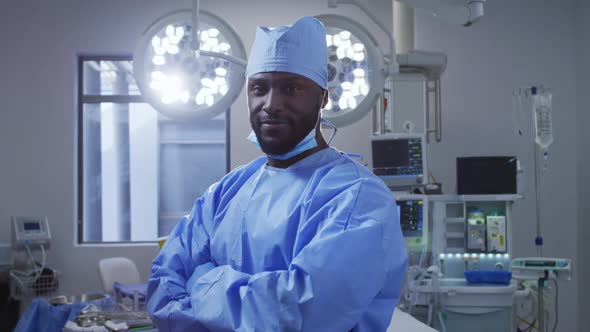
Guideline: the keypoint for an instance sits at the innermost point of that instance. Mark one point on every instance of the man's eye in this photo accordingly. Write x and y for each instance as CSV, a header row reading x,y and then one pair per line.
x,y
293,89
257,89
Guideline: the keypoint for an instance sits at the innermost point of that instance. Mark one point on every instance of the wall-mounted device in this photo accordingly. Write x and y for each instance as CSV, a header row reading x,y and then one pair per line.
x,y
29,231
400,159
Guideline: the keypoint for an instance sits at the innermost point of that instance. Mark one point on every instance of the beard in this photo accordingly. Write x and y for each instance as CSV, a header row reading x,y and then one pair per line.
x,y
282,141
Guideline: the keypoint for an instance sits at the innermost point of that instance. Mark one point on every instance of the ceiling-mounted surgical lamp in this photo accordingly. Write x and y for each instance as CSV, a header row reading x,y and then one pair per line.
x,y
186,73
356,70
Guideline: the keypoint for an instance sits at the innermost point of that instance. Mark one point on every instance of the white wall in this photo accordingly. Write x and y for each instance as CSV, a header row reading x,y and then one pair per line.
x,y
583,137
516,44
40,41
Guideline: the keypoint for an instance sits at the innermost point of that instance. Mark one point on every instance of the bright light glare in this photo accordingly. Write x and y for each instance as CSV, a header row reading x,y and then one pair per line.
x,y
213,33
341,52
349,52
184,96
342,103
344,35
358,47
364,90
219,81
204,36
174,34
328,40
171,85
223,90
156,42
200,99
220,71
359,56
207,82
224,47
337,40
170,31
159,60
165,42
172,49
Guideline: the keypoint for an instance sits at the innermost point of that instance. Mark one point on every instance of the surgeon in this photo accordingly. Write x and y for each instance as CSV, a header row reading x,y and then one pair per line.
x,y
303,239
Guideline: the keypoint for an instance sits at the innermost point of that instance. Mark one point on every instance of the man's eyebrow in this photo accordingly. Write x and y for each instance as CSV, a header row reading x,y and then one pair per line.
x,y
256,80
295,79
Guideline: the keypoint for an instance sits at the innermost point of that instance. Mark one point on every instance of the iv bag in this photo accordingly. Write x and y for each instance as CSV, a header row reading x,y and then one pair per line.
x,y
543,122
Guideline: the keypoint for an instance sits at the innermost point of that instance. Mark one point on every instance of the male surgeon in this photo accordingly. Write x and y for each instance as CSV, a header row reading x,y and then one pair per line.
x,y
303,239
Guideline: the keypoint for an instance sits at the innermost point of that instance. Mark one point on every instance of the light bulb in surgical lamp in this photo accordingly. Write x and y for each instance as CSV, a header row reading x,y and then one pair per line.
x,y
185,83
356,73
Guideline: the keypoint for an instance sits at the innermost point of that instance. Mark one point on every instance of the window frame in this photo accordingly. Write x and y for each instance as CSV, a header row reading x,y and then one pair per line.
x,y
83,99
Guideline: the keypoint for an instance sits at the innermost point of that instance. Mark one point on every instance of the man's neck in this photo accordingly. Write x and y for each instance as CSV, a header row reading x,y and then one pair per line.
x,y
288,162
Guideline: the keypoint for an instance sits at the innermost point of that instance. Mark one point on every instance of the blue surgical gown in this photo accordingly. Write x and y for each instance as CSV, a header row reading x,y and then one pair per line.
x,y
314,247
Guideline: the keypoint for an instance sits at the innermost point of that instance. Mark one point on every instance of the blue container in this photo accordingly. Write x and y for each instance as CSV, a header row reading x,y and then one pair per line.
x,y
488,277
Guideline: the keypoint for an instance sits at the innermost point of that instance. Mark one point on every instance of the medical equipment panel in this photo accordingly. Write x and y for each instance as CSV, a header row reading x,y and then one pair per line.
x,y
399,159
413,217
27,231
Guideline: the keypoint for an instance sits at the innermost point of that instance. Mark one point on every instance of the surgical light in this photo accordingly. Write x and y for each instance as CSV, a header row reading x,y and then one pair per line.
x,y
182,81
356,70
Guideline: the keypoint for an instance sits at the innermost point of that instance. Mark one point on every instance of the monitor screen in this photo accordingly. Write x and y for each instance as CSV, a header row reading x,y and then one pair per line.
x,y
411,217
398,159
31,226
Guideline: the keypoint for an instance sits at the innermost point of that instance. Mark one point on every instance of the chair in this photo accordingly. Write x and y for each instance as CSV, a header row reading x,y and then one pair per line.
x,y
117,269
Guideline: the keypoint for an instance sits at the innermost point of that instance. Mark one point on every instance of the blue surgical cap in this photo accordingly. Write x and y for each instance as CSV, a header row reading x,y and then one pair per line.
x,y
299,49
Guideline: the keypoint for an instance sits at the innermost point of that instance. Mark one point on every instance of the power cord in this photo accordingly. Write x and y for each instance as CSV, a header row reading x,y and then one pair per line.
x,y
556,305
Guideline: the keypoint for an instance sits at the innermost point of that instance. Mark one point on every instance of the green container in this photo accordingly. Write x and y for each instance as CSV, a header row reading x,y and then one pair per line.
x,y
476,231
496,232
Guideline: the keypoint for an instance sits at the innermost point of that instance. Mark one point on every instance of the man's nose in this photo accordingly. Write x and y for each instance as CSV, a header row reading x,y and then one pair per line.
x,y
273,102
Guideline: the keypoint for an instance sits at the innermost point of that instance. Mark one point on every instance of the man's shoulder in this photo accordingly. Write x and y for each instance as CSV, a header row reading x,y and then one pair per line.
x,y
238,175
346,173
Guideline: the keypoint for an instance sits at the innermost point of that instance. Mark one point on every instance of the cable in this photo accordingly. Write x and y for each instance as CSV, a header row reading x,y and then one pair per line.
x,y
432,176
556,307
531,325
44,259
33,262
443,326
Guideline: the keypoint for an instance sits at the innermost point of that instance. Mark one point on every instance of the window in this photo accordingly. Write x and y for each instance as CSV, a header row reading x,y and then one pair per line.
x,y
139,172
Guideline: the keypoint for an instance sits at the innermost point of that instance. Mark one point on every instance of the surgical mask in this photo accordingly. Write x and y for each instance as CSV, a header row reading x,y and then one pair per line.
x,y
308,142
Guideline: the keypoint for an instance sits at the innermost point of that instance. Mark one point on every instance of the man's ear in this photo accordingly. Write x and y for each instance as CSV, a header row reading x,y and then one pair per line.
x,y
325,97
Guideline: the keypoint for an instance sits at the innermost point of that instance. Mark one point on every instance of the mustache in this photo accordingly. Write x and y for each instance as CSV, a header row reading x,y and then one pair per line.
x,y
271,120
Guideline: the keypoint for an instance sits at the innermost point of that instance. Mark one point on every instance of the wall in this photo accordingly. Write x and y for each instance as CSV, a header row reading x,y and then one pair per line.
x,y
583,137
38,110
516,44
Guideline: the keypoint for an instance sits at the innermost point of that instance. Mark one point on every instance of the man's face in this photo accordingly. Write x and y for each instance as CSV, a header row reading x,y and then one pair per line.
x,y
284,108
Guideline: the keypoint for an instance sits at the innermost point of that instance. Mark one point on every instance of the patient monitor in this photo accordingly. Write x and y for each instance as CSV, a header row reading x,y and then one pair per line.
x,y
400,159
